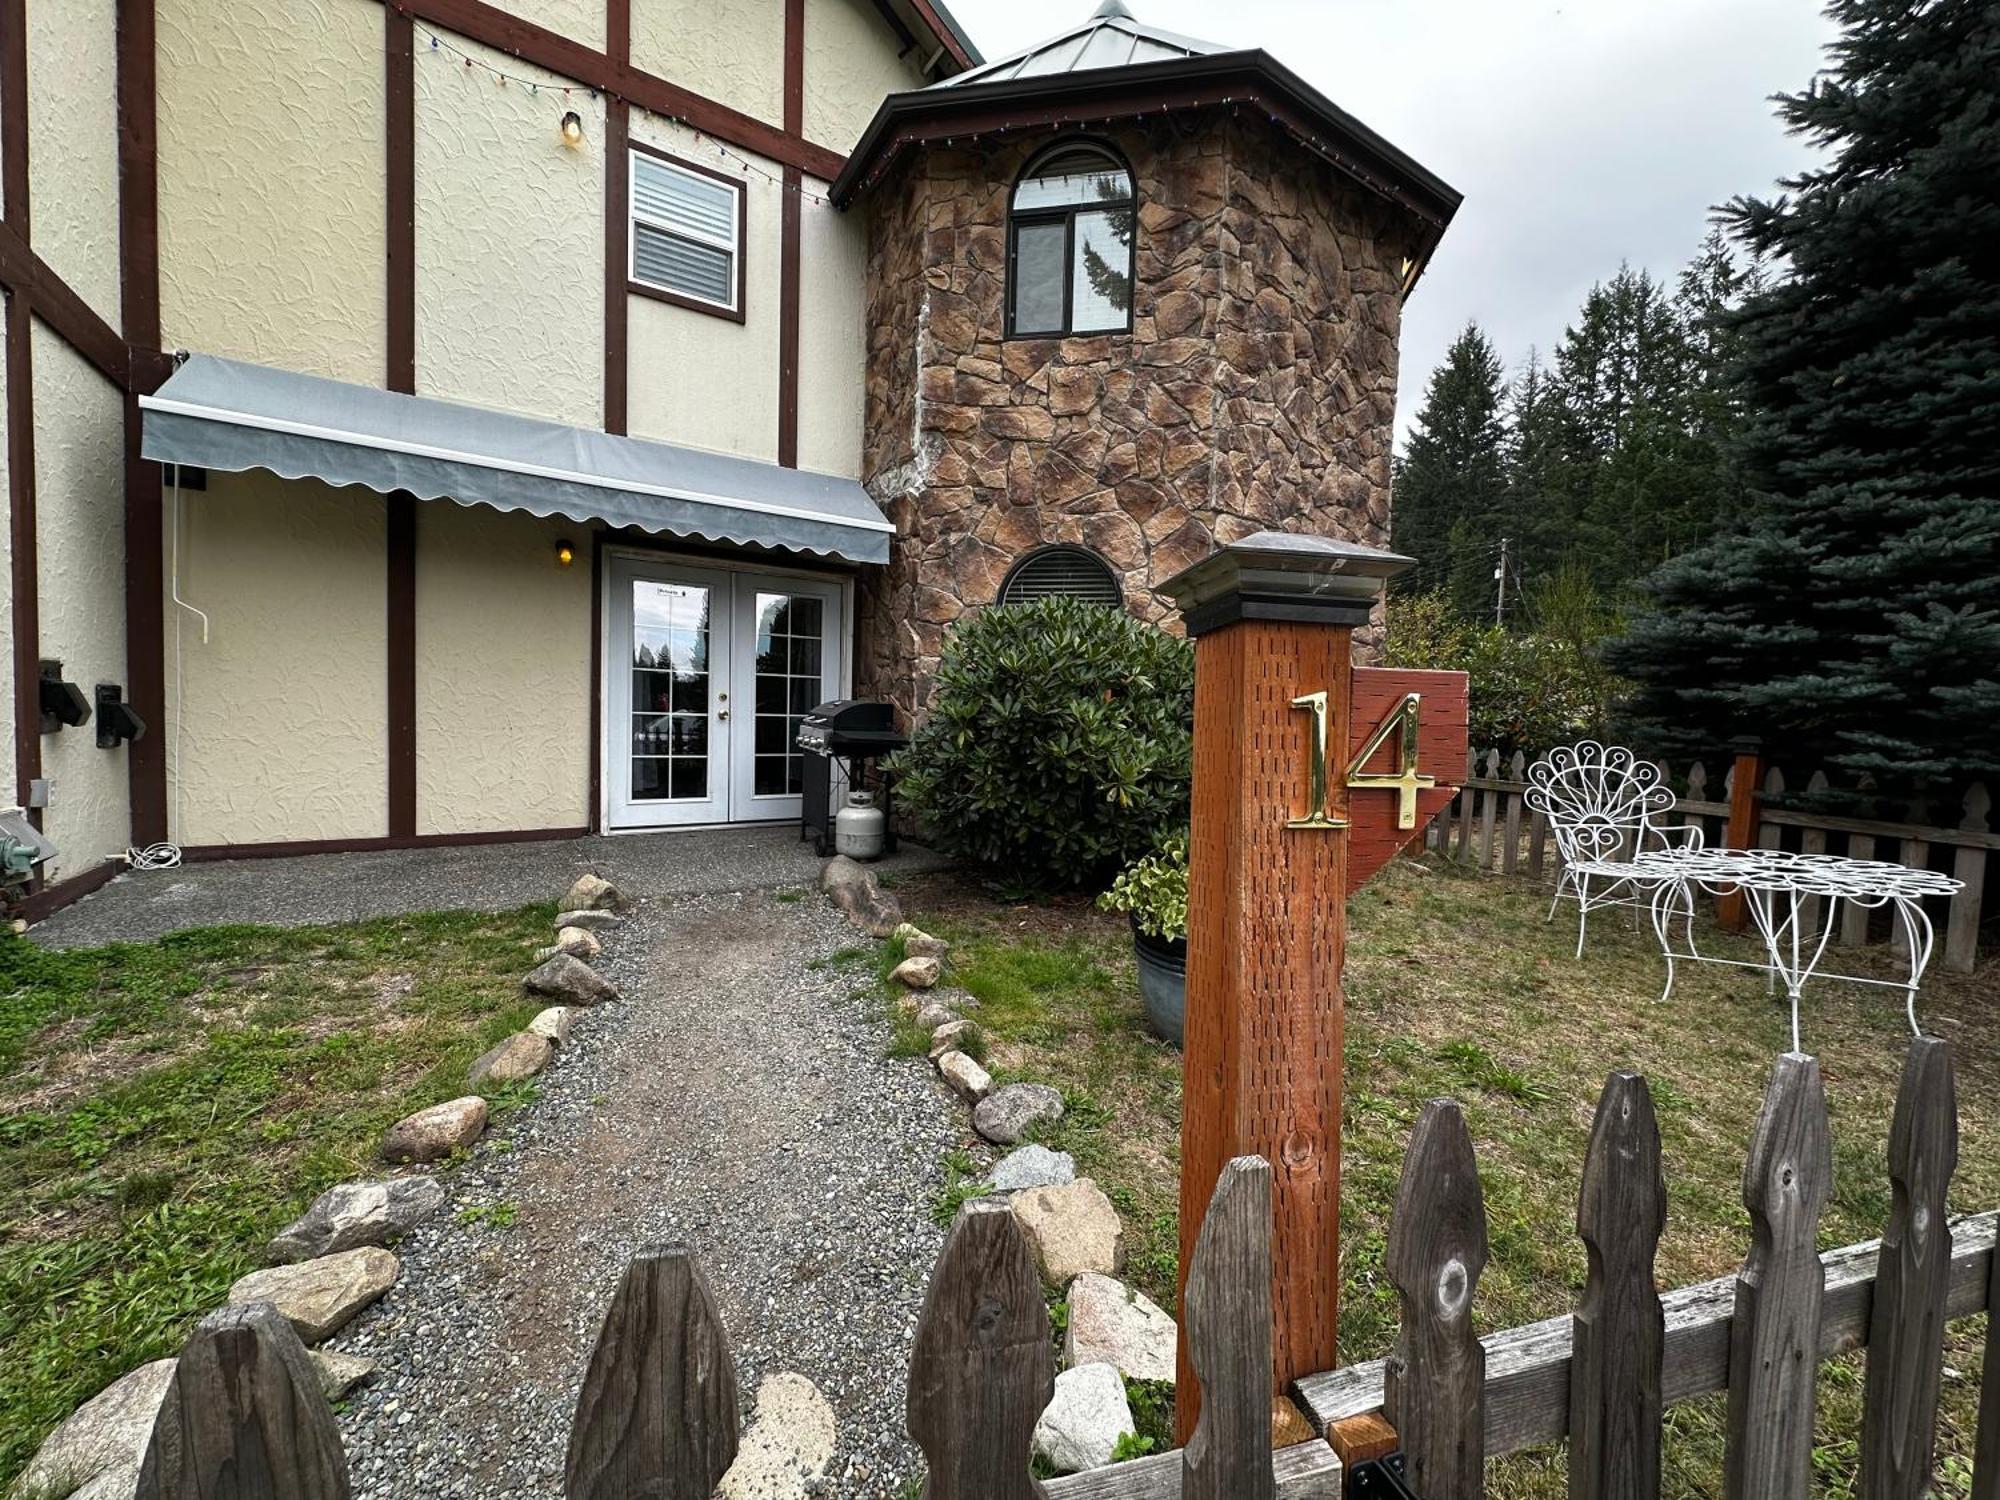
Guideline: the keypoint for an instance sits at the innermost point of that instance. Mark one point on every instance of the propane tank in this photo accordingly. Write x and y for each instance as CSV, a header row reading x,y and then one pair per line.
x,y
857,828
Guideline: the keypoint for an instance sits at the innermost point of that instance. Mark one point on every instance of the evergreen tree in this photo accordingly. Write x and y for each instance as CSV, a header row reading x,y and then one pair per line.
x,y
1856,618
1450,485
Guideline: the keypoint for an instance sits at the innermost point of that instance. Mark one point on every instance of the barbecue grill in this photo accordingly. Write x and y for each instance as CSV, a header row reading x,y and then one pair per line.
x,y
858,733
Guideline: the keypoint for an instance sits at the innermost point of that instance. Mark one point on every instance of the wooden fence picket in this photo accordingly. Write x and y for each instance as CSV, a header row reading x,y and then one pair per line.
x,y
658,1412
1619,1331
1510,856
1961,933
1986,1451
1812,840
1226,1318
983,1366
1489,807
1434,1387
244,1418
1774,1330
1854,916
1906,1326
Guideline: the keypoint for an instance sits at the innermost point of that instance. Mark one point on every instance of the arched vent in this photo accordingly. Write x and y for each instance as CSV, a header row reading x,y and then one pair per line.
x,y
1065,573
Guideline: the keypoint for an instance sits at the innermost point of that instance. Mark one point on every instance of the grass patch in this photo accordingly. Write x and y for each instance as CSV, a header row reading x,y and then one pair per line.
x,y
165,1107
1457,986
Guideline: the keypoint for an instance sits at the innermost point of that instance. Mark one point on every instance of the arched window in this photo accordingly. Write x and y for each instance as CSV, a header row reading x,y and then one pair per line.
x,y
1069,244
1061,572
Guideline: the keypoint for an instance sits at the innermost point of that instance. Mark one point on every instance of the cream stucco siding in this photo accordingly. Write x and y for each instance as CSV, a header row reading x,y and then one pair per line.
x,y
701,380
272,196
80,567
833,338
731,51
510,242
851,64
73,145
282,720
579,20
503,672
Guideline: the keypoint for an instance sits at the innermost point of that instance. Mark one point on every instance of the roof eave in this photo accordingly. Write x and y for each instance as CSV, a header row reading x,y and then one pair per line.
x,y
1191,82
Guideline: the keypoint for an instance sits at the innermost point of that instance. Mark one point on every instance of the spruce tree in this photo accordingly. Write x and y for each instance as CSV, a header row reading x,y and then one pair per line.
x,y
1450,484
1855,620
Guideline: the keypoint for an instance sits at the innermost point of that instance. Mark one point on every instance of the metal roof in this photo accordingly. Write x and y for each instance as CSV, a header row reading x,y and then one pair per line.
x,y
1112,38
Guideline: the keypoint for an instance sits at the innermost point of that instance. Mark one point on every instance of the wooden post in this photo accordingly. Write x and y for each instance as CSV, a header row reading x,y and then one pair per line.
x,y
1271,617
1742,831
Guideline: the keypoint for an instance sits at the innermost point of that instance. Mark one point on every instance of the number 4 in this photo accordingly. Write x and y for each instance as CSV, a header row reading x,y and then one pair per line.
x,y
1402,721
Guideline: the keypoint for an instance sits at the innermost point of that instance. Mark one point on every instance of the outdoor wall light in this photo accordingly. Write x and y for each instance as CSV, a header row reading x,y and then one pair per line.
x,y
116,722
572,130
565,553
62,703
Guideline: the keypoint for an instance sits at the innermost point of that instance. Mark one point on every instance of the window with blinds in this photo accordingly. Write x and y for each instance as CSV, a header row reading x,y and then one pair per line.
x,y
1062,572
687,234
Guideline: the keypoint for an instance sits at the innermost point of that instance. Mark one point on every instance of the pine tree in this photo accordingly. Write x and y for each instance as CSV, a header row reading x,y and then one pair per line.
x,y
1450,485
1856,618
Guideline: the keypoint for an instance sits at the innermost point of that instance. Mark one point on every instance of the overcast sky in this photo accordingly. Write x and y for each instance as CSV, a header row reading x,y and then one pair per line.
x,y
1581,133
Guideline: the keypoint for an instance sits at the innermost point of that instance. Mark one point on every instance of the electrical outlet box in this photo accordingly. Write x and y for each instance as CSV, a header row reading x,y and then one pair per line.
x,y
41,791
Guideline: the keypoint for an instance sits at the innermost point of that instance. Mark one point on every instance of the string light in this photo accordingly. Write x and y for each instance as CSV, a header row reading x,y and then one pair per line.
x,y
743,164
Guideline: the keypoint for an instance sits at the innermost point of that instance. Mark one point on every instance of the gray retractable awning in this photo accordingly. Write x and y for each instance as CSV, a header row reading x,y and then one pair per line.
x,y
223,414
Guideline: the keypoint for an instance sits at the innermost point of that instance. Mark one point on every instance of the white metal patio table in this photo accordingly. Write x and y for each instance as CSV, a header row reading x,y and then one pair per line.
x,y
1779,889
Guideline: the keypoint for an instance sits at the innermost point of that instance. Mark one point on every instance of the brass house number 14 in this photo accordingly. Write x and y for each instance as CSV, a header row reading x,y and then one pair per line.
x,y
1406,780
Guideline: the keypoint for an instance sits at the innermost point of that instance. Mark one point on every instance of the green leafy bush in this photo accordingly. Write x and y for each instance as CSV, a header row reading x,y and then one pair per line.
x,y
1059,743
1153,891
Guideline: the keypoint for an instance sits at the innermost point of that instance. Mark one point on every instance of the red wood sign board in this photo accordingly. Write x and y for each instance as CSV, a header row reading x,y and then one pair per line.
x,y
1441,757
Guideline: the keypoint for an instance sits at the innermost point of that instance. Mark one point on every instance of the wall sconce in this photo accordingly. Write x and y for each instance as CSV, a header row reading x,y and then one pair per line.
x,y
572,130
565,553
116,722
62,703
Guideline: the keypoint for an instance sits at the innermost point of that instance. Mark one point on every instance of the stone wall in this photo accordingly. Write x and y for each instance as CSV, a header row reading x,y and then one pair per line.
x,y
1256,389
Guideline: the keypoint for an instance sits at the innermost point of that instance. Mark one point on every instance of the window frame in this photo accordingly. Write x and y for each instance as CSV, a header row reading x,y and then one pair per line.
x,y
1067,218
739,252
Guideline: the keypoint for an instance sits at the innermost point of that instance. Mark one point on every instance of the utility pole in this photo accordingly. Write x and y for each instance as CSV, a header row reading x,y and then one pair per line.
x,y
1500,578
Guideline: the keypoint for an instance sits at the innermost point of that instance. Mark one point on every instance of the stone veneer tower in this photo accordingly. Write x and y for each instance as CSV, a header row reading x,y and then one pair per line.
x,y
1255,390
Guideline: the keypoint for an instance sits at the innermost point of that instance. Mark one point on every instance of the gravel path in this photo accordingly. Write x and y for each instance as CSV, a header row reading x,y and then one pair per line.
x,y
738,1101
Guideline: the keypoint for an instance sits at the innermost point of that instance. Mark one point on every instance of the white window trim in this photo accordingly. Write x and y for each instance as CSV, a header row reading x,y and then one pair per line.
x,y
731,245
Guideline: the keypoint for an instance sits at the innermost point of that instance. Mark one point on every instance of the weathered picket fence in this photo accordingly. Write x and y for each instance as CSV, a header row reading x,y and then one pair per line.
x,y
1602,1377
658,1413
1489,826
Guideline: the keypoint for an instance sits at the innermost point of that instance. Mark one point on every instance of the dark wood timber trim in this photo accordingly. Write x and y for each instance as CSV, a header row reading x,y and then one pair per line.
x,y
288,849
26,622
789,230
401,651
50,899
597,540
14,112
617,225
26,274
139,302
943,32
400,622
495,28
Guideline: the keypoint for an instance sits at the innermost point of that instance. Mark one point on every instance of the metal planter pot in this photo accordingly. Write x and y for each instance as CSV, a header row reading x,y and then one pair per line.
x,y
1162,982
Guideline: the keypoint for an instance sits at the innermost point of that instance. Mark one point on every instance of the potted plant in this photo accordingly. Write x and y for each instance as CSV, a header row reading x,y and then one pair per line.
x,y
1153,894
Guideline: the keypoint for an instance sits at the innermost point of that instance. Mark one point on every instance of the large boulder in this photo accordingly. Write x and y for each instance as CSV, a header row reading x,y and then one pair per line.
x,y
555,1023
96,1453
1112,1323
578,942
592,892
918,973
569,981
1084,1420
1006,1115
1032,1167
433,1134
522,1055
356,1214
317,1297
787,1445
1072,1229
967,1079
852,888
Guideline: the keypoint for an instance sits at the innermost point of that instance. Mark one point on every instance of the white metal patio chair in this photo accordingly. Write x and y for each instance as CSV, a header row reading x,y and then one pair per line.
x,y
1601,801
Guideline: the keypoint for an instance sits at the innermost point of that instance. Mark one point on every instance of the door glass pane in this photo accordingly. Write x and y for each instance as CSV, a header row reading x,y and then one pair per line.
x,y
789,645
1038,277
670,640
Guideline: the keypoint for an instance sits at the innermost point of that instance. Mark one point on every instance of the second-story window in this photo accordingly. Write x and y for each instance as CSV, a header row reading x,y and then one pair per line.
x,y
1070,244
687,234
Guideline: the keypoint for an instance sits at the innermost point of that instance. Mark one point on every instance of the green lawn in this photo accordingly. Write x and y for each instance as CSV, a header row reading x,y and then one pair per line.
x,y
1456,986
166,1106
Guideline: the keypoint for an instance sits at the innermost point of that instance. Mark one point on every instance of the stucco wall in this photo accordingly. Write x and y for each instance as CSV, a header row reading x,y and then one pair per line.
x,y
695,378
580,20
510,241
732,51
284,734
833,336
73,145
80,556
272,216
503,672
851,63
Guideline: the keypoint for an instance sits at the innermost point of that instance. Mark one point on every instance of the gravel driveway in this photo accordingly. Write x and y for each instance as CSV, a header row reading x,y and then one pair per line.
x,y
739,1101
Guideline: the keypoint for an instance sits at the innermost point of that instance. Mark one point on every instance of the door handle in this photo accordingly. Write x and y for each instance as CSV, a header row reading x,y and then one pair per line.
x,y
722,713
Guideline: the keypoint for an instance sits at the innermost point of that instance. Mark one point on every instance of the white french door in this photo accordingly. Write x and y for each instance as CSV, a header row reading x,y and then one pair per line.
x,y
710,669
